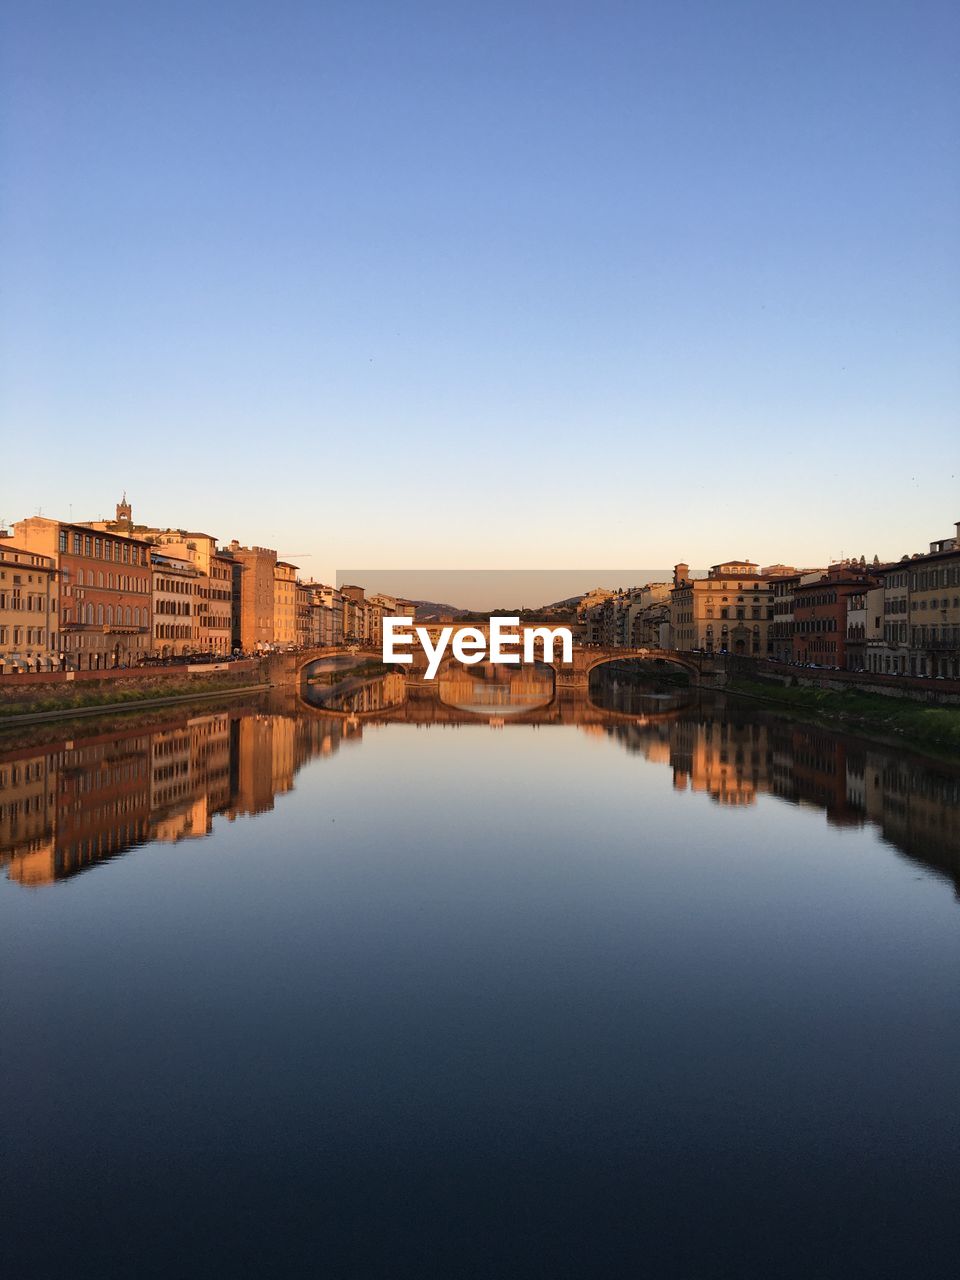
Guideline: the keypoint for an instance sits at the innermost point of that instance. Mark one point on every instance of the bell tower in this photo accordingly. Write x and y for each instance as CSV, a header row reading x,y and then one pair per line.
x,y
124,511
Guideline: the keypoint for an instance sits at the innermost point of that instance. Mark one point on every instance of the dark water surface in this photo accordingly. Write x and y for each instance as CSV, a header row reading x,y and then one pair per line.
x,y
671,991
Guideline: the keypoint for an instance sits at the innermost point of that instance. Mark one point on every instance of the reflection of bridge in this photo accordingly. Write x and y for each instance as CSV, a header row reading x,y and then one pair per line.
x,y
424,705
460,696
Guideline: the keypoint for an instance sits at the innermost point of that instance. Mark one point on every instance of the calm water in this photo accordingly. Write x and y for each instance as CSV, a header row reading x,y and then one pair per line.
x,y
462,982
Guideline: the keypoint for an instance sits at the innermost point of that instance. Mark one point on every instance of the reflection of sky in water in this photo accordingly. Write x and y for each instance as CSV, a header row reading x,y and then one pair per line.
x,y
644,986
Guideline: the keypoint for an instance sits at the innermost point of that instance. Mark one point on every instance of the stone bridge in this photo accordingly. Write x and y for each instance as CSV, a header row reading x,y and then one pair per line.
x,y
703,669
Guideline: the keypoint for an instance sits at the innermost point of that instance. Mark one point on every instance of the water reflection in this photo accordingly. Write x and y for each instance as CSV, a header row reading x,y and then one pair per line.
x,y
74,802
80,801
492,689
351,689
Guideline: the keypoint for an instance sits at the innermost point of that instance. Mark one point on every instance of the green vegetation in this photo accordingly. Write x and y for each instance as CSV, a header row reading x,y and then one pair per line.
x,y
925,725
91,697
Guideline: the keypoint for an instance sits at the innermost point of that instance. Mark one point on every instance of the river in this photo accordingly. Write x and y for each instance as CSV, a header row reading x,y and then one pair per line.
x,y
470,983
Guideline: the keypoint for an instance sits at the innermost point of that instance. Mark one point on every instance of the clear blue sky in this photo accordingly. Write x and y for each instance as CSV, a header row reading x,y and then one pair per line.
x,y
486,284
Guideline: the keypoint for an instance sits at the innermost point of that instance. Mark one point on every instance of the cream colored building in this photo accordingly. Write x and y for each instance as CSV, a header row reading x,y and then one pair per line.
x,y
176,595
284,604
728,611
212,611
28,608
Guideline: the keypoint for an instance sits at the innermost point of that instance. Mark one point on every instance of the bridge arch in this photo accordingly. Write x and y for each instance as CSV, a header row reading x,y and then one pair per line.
x,y
666,657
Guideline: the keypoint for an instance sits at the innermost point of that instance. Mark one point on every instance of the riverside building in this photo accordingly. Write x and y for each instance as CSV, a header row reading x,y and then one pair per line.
x,y
28,608
728,611
105,602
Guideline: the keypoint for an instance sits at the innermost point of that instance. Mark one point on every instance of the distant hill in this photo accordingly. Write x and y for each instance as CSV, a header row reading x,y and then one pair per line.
x,y
432,610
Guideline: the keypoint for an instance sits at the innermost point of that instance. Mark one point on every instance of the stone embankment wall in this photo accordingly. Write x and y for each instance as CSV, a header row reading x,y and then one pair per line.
x,y
916,689
145,681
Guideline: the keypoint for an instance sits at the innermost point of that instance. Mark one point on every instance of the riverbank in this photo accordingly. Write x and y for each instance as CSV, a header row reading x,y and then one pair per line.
x,y
92,702
923,725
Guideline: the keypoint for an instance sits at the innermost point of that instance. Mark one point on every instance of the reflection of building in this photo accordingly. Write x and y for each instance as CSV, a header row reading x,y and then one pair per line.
x,y
71,805
734,758
727,761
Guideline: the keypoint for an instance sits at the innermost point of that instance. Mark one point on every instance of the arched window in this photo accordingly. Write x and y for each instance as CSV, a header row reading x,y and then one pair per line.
x,y
99,577
100,615
128,615
109,615
136,617
88,614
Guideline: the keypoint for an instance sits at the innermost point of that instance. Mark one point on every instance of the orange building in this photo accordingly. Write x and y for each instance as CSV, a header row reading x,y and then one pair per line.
x,y
105,590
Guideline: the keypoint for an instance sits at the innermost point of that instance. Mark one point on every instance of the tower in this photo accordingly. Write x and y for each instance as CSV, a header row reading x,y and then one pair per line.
x,y
124,511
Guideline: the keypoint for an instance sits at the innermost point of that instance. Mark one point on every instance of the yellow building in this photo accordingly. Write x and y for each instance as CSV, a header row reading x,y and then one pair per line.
x,y
28,608
284,604
935,609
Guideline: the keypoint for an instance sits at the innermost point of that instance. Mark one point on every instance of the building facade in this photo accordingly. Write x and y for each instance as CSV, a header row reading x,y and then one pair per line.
x,y
820,614
284,604
728,611
864,626
254,596
921,613
28,609
176,596
105,596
